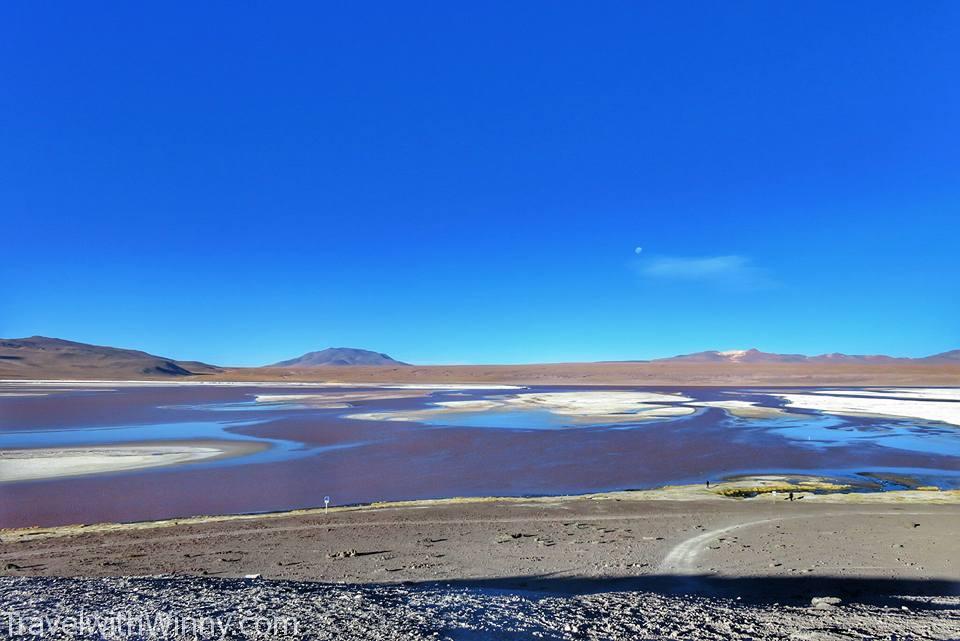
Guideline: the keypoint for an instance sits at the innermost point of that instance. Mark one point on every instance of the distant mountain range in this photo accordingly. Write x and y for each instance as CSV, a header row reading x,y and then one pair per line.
x,y
756,356
40,357
339,356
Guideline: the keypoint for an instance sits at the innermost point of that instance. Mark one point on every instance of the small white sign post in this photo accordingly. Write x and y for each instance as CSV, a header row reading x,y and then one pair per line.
x,y
326,504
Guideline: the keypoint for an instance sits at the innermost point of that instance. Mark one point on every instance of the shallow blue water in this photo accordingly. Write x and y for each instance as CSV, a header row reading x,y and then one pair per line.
x,y
189,430
278,449
510,420
823,431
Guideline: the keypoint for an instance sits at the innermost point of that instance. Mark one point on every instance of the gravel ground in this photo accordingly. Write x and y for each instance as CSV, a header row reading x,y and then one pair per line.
x,y
612,567
255,609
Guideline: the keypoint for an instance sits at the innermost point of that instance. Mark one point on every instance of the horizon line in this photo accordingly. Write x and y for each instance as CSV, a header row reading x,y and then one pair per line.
x,y
412,363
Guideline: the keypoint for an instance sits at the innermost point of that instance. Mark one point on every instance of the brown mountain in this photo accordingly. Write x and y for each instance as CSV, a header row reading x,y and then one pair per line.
x,y
39,357
953,356
339,356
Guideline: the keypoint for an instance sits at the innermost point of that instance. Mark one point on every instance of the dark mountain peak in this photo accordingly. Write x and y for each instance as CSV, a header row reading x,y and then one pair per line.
x,y
44,357
339,356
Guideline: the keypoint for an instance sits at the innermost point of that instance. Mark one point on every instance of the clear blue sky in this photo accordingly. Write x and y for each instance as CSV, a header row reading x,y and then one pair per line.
x,y
467,182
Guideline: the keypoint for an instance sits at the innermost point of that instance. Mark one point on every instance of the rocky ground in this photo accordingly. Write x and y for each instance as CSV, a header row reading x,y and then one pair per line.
x,y
214,608
617,566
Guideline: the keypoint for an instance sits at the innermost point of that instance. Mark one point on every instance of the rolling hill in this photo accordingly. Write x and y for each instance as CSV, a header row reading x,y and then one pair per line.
x,y
39,357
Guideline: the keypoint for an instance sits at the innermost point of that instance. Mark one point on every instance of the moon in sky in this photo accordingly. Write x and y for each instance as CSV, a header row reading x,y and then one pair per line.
x,y
638,250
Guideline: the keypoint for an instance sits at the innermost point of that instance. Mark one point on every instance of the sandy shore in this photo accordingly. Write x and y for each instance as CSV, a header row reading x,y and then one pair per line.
x,y
639,533
34,464
682,562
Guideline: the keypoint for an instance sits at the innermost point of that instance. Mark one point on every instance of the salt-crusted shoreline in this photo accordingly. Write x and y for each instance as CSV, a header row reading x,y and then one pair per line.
x,y
586,406
748,409
35,464
926,393
942,411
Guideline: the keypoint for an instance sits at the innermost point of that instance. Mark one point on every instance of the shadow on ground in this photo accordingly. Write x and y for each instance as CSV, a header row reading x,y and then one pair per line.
x,y
759,590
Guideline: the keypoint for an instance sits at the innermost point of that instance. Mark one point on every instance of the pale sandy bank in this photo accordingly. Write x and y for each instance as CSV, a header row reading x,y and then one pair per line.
x,y
57,462
580,406
930,410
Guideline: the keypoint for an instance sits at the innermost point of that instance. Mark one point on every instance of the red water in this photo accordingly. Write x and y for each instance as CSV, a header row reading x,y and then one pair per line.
x,y
395,461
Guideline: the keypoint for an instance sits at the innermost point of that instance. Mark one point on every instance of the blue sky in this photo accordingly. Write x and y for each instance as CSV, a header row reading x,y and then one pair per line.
x,y
455,183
